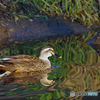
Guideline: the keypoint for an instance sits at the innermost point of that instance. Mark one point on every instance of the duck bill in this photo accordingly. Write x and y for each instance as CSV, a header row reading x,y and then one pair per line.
x,y
56,55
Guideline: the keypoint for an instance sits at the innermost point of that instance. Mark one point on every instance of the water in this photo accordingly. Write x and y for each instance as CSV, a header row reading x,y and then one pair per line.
x,y
95,42
78,70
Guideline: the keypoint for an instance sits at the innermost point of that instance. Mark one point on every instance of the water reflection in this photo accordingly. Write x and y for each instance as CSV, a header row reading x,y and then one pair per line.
x,y
83,78
23,84
78,70
95,42
24,77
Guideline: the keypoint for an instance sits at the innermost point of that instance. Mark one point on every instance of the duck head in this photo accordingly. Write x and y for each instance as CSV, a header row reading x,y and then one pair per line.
x,y
46,52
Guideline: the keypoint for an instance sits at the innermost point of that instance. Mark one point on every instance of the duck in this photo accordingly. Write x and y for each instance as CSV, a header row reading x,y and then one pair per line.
x,y
28,63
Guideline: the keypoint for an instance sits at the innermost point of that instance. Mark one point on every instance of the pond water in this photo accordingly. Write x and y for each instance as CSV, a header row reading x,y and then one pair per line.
x,y
77,71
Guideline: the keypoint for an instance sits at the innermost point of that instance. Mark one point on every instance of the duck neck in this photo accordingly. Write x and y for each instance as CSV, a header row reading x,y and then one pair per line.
x,y
43,57
46,61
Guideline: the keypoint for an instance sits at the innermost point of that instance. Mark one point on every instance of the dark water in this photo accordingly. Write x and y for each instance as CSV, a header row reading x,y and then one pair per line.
x,y
77,71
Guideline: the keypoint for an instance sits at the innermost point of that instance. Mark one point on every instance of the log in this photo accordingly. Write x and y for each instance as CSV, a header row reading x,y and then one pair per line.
x,y
38,29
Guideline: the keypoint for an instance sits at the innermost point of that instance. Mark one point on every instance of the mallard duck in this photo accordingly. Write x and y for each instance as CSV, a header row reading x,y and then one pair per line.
x,y
27,63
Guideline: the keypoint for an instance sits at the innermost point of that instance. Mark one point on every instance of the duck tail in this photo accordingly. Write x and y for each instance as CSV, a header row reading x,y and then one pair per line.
x,y
2,60
2,70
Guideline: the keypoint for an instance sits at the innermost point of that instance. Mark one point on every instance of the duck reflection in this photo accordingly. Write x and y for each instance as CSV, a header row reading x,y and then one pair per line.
x,y
24,77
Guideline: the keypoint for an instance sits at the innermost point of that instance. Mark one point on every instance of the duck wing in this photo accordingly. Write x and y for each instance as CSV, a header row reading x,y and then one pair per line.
x,y
21,59
23,63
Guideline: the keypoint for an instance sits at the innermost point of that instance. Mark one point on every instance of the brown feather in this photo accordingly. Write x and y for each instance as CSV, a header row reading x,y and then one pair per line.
x,y
23,63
